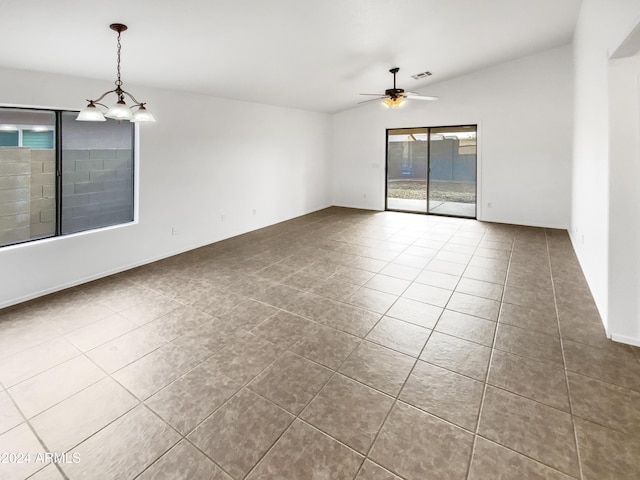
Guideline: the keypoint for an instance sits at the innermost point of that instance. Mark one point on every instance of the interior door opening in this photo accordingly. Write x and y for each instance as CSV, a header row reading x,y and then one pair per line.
x,y
432,170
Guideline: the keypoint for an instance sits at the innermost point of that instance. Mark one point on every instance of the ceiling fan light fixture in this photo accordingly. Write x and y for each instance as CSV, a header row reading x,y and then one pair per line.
x,y
394,102
395,97
119,111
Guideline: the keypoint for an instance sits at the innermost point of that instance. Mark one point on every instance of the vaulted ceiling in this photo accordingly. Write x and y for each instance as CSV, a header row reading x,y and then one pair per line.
x,y
310,54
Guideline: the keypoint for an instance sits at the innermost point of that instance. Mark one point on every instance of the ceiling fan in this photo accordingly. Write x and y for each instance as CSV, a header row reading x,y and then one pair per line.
x,y
395,97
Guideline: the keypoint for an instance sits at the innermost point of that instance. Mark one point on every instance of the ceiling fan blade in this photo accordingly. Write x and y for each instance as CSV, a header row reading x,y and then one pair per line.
x,y
418,96
373,94
373,99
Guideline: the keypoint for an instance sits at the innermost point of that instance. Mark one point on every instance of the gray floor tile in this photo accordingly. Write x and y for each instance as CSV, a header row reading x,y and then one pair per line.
x,y
240,304
413,442
304,452
348,411
241,432
124,448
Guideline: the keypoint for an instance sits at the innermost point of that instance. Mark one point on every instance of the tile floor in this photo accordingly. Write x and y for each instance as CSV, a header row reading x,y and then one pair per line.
x,y
340,345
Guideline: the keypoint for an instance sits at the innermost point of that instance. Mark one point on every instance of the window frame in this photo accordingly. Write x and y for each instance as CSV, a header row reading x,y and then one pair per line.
x,y
58,152
476,125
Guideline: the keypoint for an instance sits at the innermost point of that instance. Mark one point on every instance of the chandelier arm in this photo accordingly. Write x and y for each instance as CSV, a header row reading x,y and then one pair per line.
x,y
115,90
136,102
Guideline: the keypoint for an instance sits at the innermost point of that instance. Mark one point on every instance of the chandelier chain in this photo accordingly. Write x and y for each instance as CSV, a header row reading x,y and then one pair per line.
x,y
119,82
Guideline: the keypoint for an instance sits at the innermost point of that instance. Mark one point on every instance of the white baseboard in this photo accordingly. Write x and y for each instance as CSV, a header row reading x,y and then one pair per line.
x,y
122,268
358,207
635,341
97,276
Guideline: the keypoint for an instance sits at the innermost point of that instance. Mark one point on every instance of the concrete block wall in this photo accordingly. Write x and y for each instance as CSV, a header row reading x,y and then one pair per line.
x,y
27,194
446,161
15,195
97,188
407,160
43,193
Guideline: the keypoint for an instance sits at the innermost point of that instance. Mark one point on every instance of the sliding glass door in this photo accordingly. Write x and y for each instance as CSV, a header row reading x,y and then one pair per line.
x,y
407,151
452,172
432,170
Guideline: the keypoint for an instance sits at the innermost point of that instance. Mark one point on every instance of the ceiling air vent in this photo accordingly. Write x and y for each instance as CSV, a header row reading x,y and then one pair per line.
x,y
418,76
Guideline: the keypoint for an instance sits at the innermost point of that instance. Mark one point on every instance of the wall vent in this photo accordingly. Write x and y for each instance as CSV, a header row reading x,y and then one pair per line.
x,y
418,76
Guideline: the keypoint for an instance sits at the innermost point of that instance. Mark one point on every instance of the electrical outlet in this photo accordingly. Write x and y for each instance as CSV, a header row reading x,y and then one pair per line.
x,y
254,211
489,204
222,217
174,231
364,195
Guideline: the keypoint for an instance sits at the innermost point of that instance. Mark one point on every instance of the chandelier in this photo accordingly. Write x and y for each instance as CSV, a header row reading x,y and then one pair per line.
x,y
119,111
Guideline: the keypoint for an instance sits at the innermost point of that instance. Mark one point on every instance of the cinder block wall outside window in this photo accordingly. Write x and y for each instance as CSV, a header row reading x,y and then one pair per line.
x,y
27,194
97,188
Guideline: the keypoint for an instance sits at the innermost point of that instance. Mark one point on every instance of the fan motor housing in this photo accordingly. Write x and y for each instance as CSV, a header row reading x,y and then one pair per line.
x,y
394,92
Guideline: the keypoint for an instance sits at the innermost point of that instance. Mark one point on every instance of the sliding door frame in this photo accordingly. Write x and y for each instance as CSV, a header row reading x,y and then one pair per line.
x,y
386,171
428,172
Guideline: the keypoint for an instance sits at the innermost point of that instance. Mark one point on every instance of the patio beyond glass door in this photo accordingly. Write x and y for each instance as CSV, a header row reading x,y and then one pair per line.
x,y
407,152
452,172
432,170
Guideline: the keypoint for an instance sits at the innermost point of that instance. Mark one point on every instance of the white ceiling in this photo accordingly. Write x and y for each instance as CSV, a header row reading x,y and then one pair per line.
x,y
310,54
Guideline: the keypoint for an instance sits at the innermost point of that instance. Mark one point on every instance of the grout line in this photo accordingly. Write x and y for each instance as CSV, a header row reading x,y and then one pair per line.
x,y
298,415
336,372
223,403
486,379
564,361
395,401
415,363
38,438
530,399
361,339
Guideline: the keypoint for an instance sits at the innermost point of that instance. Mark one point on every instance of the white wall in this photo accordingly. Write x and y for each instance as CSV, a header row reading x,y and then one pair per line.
x,y
205,158
524,112
601,27
624,200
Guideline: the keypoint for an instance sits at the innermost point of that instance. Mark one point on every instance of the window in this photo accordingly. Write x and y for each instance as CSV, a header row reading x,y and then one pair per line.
x,y
97,173
59,176
36,137
9,138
